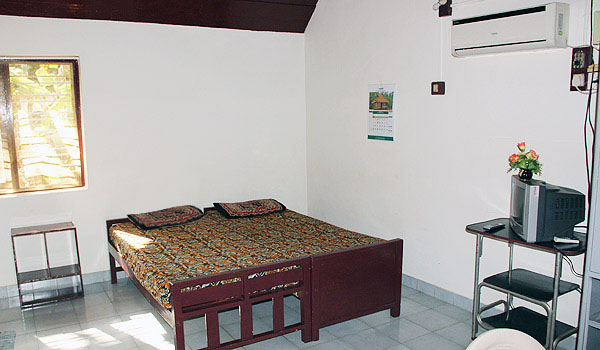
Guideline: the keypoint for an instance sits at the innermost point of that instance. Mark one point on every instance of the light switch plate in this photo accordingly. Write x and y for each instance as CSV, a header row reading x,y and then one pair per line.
x,y
438,88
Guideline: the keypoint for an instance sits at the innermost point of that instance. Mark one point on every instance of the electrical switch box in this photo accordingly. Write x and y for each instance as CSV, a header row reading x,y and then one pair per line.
x,y
438,88
581,59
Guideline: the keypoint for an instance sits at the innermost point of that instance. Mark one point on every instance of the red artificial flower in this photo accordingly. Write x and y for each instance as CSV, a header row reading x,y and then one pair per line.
x,y
521,146
532,155
514,158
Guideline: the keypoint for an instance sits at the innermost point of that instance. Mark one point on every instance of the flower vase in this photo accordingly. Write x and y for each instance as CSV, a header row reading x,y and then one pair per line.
x,y
525,174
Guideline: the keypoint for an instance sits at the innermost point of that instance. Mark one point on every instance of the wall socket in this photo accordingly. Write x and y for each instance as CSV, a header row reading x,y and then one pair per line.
x,y
580,60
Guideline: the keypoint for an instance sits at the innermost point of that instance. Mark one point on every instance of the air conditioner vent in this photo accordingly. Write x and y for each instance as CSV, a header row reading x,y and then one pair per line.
x,y
537,27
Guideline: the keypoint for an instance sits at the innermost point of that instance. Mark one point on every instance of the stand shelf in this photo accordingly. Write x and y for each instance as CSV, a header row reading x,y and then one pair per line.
x,y
528,321
34,298
529,284
48,274
525,285
32,291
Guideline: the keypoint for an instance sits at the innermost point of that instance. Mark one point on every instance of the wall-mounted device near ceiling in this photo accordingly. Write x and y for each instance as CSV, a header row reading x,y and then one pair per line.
x,y
537,27
439,4
444,7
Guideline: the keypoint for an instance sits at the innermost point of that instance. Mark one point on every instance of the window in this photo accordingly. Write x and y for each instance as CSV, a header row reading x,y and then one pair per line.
x,y
40,125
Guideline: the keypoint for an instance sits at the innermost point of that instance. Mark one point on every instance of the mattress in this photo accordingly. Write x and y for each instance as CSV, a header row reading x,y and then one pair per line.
x,y
215,244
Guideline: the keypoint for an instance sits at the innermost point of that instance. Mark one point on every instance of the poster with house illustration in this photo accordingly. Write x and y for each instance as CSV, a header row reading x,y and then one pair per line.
x,y
381,112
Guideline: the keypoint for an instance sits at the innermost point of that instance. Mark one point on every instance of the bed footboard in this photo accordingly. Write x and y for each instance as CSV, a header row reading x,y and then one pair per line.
x,y
241,289
356,282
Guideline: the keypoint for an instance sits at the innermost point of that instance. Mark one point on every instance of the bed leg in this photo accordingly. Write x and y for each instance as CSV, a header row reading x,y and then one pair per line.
x,y
113,269
179,335
306,337
306,332
314,334
395,310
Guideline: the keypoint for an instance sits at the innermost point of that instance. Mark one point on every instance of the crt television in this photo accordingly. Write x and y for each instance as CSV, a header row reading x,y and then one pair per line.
x,y
540,211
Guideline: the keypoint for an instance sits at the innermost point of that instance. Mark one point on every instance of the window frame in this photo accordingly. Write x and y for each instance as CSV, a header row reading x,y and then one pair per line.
x,y
7,122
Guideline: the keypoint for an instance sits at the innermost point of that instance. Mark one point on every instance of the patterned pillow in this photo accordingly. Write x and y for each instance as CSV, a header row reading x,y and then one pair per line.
x,y
250,208
166,217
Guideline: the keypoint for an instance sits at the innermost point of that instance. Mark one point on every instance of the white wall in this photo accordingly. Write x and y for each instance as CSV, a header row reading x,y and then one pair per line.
x,y
448,166
172,115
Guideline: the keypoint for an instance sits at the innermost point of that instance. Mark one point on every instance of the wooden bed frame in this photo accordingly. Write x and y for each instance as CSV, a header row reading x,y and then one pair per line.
x,y
332,287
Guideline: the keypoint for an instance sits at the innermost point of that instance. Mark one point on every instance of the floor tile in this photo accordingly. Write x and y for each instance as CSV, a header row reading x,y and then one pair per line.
x,y
106,337
60,331
377,318
431,320
296,339
55,308
335,344
127,306
166,346
146,330
371,339
399,347
91,312
93,288
61,338
13,302
96,299
262,309
199,340
402,330
432,341
116,327
406,291
258,326
454,312
14,314
346,328
291,316
156,342
229,317
9,303
55,320
23,326
26,342
426,300
292,302
279,343
410,307
459,333
195,325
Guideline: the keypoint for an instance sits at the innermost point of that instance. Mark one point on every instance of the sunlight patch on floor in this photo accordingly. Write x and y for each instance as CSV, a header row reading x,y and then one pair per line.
x,y
145,328
64,341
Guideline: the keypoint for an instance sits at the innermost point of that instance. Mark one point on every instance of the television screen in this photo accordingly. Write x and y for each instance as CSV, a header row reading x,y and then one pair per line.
x,y
517,203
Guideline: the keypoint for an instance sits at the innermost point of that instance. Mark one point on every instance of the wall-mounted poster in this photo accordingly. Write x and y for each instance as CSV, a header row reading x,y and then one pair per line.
x,y
381,112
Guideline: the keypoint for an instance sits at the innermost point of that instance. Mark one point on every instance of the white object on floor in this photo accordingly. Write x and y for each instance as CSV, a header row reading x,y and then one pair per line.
x,y
505,339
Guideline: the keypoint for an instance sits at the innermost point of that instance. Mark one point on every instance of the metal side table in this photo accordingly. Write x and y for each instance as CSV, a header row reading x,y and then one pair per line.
x,y
522,284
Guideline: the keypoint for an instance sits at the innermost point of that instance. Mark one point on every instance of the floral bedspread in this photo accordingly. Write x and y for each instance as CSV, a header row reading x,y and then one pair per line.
x,y
215,244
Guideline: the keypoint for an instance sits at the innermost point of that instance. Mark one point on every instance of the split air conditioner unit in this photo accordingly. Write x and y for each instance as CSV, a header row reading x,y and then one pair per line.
x,y
537,27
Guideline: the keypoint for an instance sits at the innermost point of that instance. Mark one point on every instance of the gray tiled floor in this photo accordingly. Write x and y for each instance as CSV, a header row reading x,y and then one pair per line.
x,y
118,317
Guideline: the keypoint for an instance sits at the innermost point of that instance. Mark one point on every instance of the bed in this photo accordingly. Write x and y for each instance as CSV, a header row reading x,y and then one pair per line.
x,y
215,264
